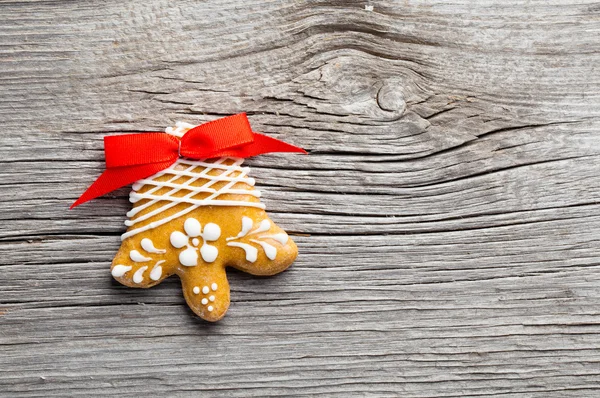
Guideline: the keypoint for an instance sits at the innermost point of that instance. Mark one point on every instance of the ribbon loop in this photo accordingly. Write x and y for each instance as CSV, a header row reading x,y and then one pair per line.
x,y
210,138
137,149
131,157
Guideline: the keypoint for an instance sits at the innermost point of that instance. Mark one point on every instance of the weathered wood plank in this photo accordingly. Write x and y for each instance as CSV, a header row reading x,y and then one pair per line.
x,y
447,218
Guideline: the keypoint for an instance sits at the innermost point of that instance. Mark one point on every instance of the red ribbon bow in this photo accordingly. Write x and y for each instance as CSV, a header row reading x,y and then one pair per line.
x,y
131,157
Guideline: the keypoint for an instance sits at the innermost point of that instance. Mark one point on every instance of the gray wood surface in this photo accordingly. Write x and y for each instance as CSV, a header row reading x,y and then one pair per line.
x,y
448,216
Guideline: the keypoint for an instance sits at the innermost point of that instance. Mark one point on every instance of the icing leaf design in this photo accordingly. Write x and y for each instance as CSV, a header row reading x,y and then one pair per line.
x,y
247,231
154,270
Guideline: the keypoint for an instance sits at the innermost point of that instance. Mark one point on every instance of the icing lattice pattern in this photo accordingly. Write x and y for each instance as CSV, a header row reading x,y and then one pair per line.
x,y
188,179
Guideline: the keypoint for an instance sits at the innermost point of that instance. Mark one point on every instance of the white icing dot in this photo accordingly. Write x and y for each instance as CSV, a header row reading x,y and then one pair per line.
x,y
136,256
205,290
188,257
138,277
120,270
212,298
195,241
210,308
178,240
212,232
204,301
214,287
192,227
196,290
209,253
156,273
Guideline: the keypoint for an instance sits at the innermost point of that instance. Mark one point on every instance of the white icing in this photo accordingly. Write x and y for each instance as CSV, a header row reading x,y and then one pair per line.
x,y
187,172
204,301
214,287
138,277
135,197
264,226
178,240
281,237
136,256
176,175
196,290
212,232
246,226
209,253
231,175
148,246
192,227
120,270
188,257
212,298
210,308
196,202
251,251
270,251
137,186
205,290
180,130
156,272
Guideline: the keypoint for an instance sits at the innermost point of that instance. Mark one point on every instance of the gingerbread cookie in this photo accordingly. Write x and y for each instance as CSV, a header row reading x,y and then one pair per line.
x,y
194,219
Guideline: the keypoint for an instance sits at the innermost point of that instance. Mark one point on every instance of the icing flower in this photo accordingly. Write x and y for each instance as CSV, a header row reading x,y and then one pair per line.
x,y
193,230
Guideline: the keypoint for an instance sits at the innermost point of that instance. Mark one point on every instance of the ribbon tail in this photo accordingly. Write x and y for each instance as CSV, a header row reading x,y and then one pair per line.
x,y
262,144
117,177
266,144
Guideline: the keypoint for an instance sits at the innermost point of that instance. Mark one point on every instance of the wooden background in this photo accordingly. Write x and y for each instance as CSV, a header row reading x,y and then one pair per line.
x,y
448,216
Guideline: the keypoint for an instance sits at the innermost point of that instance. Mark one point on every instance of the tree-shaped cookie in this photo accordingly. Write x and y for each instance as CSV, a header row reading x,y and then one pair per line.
x,y
193,219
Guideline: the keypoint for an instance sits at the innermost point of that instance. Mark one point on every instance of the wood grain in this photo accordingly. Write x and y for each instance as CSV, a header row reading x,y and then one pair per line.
x,y
448,216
